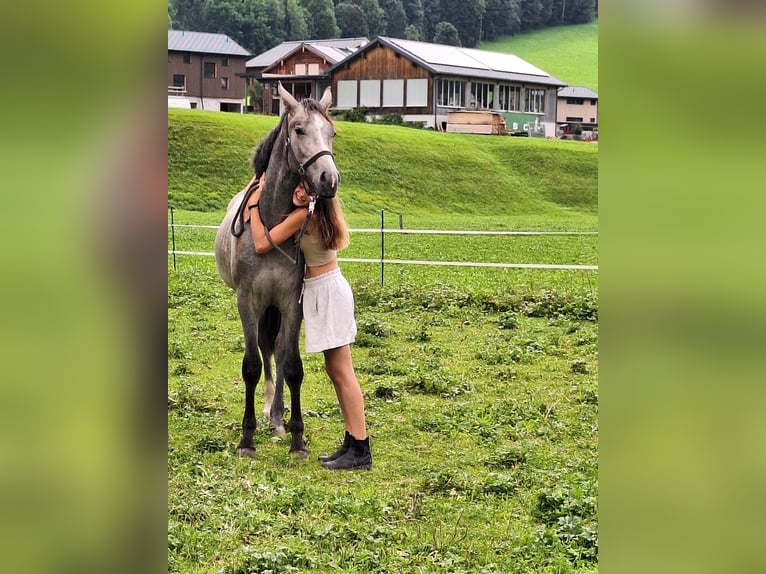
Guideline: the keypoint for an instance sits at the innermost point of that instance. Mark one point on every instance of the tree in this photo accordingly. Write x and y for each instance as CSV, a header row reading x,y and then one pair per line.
x,y
412,33
501,18
189,15
376,18
466,16
320,18
248,22
351,20
446,33
295,27
414,11
432,15
396,18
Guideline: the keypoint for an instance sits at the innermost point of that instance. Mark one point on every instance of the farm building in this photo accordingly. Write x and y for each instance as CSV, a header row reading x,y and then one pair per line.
x,y
577,110
424,82
301,66
205,71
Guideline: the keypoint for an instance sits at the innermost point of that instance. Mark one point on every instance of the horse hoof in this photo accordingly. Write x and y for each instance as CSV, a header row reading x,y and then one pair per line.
x,y
248,452
301,454
278,431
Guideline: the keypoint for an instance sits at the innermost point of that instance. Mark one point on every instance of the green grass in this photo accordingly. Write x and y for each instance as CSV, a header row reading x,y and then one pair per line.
x,y
482,406
419,173
480,384
569,53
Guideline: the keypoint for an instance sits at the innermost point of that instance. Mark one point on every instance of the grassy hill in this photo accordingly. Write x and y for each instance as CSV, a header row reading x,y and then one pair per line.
x,y
417,172
569,53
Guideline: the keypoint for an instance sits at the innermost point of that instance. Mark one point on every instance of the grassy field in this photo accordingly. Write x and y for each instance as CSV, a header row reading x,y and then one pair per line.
x,y
480,384
569,53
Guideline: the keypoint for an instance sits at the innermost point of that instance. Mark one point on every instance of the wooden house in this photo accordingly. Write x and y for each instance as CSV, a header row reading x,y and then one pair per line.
x,y
424,82
578,111
205,71
301,66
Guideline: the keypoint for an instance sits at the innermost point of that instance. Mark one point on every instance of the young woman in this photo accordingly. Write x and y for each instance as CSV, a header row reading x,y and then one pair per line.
x,y
328,310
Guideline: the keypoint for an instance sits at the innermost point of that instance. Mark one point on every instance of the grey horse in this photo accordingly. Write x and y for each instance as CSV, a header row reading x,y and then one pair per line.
x,y
268,285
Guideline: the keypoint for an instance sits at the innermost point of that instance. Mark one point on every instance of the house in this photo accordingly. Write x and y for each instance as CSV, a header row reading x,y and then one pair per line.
x,y
205,71
300,65
577,111
424,82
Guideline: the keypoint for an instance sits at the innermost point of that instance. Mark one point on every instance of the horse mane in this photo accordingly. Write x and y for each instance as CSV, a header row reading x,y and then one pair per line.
x,y
263,151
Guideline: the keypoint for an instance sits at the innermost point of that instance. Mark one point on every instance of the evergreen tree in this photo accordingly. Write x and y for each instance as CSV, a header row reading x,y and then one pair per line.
x,y
376,18
466,16
396,18
189,15
412,33
446,33
320,19
498,18
295,27
351,21
414,11
432,15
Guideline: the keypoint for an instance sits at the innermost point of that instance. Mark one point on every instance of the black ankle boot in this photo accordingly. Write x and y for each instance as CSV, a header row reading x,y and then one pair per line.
x,y
341,451
358,456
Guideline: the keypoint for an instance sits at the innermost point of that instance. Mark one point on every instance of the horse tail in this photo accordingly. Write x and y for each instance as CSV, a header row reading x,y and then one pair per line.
x,y
268,330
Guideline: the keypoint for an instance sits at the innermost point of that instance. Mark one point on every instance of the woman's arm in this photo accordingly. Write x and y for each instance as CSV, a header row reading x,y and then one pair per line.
x,y
280,232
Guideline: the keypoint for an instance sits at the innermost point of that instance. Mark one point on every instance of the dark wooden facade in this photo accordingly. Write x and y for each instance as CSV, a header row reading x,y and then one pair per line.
x,y
302,73
198,75
382,63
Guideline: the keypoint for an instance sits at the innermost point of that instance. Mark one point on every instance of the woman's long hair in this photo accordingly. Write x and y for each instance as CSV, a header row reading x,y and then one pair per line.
x,y
330,223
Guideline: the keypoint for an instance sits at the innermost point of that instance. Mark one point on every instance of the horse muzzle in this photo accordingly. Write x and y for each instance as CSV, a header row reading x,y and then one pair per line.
x,y
328,183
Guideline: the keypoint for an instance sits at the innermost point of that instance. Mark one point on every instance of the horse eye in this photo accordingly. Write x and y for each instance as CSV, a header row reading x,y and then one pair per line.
x,y
299,130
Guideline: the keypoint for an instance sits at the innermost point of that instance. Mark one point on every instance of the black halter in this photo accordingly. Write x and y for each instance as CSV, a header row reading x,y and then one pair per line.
x,y
302,167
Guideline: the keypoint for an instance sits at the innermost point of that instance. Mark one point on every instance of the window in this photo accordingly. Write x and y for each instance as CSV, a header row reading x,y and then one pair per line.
x,y
482,95
450,93
225,83
179,81
225,61
574,120
575,101
313,69
187,57
369,93
346,94
593,120
417,92
210,71
300,69
535,101
393,93
509,98
593,102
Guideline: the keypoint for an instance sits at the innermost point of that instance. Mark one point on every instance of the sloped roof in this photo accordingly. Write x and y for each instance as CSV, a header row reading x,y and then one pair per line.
x,y
340,47
454,60
577,92
183,41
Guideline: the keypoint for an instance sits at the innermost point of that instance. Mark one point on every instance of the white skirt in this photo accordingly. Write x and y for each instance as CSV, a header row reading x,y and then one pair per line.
x,y
328,312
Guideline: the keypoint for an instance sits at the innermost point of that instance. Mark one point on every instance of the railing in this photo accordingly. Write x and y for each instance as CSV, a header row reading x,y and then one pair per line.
x,y
382,260
176,90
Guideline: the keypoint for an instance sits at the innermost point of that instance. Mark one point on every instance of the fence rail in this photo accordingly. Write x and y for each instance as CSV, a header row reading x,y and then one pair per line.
x,y
383,261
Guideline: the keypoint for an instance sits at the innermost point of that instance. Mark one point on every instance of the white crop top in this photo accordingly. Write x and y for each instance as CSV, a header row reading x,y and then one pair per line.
x,y
314,252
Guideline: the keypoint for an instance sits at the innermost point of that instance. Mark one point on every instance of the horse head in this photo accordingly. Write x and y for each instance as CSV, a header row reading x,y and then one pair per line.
x,y
309,142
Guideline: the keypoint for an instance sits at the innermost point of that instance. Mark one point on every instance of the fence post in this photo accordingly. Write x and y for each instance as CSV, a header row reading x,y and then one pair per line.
x,y
382,246
401,221
173,236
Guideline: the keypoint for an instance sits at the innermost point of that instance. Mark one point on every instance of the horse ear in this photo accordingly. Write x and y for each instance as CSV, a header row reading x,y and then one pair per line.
x,y
326,100
287,99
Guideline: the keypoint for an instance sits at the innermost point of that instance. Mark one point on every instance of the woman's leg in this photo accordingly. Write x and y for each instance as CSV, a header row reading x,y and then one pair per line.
x,y
340,369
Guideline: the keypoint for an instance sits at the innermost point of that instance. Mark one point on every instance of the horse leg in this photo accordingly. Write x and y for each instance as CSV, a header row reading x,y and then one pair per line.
x,y
289,360
251,372
273,406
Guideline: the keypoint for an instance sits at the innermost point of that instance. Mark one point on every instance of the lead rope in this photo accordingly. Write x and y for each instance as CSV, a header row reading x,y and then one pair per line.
x,y
240,216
